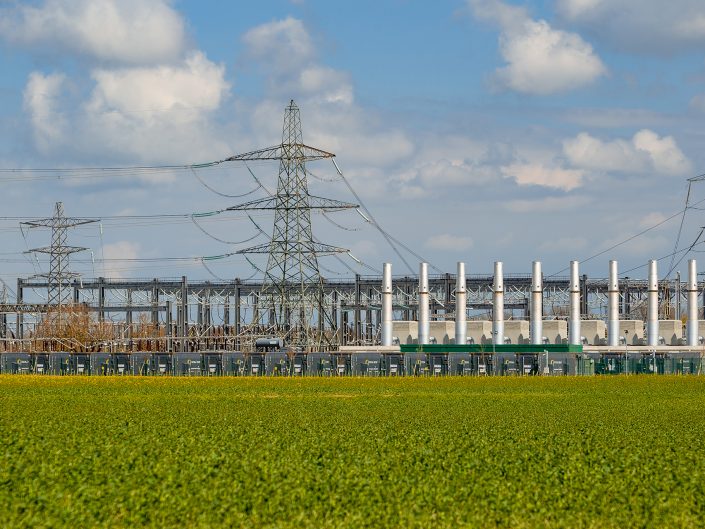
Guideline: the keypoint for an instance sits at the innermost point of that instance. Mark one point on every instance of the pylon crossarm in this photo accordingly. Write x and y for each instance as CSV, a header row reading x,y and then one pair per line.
x,y
279,201
315,248
62,222
304,152
63,250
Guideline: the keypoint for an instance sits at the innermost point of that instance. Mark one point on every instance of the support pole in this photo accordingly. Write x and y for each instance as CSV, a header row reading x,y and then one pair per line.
x,y
19,322
237,306
652,319
461,300
574,335
613,306
169,344
357,316
692,329
424,325
498,305
536,326
387,304
183,331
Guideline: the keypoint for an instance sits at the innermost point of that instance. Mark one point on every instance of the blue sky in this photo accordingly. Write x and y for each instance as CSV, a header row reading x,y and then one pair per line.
x,y
474,130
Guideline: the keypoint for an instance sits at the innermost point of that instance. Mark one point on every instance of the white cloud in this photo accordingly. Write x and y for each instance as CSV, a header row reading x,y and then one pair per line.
x,y
644,26
666,158
542,175
540,60
119,250
126,31
332,86
197,84
284,51
446,241
40,101
280,44
148,113
646,151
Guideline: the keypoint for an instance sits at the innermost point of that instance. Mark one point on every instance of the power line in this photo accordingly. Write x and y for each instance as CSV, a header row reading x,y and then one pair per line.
x,y
629,239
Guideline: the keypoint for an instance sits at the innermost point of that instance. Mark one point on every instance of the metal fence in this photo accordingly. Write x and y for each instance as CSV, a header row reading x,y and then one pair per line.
x,y
359,364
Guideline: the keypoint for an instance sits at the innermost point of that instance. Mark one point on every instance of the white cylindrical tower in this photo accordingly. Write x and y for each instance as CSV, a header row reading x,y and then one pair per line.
x,y
574,288
613,306
424,325
536,324
692,328
498,305
387,304
460,306
652,309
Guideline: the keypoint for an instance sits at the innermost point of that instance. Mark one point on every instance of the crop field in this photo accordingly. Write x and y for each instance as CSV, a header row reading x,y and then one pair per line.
x,y
346,452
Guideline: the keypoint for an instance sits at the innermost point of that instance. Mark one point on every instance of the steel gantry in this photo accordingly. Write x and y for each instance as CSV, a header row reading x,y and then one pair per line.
x,y
187,315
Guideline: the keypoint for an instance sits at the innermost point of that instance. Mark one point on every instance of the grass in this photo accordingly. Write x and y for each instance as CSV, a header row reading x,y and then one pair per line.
x,y
453,452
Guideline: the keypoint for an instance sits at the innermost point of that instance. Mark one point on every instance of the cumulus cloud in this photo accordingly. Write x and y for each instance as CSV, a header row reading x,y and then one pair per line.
x,y
646,151
113,255
540,59
40,100
646,26
149,113
125,31
197,84
451,161
446,241
282,44
284,50
538,174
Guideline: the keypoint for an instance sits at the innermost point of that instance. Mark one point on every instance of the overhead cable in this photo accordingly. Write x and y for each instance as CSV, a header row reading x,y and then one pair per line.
x,y
212,190
629,239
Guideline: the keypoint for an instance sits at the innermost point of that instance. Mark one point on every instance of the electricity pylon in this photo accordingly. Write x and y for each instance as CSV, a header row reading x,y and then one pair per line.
x,y
292,298
59,276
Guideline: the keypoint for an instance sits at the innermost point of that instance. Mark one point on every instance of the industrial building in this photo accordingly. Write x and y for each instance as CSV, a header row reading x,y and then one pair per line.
x,y
435,344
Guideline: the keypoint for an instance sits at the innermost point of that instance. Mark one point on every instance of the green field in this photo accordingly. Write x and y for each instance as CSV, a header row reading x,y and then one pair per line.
x,y
451,452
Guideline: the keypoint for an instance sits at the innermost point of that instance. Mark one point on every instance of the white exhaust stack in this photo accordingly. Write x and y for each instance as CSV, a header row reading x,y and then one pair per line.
x,y
692,329
613,306
424,326
536,325
387,304
460,306
652,310
574,329
498,305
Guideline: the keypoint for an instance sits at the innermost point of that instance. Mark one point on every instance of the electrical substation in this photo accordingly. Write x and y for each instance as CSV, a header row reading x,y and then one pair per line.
x,y
294,321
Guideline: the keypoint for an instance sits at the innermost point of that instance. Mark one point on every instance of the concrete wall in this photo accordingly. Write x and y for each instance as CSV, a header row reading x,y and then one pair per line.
x,y
671,330
480,331
442,331
555,330
517,331
406,331
636,331
593,331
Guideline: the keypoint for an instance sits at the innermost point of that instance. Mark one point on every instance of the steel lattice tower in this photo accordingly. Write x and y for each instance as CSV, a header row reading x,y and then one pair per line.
x,y
292,298
59,276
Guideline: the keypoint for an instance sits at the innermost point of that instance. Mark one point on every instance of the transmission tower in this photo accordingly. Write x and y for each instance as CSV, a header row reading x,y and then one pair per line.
x,y
59,276
292,297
